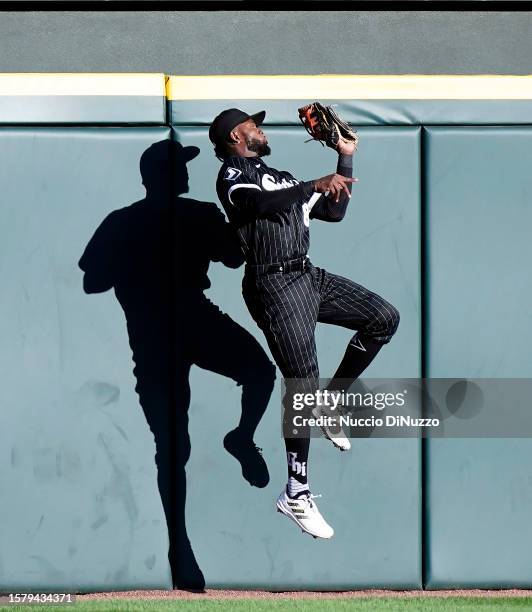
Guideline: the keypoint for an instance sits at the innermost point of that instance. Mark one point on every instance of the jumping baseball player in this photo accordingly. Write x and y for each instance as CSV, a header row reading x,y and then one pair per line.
x,y
285,293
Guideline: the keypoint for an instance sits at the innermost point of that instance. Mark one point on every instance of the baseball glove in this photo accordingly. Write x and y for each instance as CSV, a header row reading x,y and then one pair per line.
x,y
325,125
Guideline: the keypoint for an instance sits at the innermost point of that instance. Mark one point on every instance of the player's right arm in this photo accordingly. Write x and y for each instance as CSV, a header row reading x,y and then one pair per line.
x,y
239,188
265,203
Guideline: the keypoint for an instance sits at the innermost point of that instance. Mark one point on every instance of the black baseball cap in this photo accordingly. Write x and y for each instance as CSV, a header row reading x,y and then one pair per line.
x,y
228,120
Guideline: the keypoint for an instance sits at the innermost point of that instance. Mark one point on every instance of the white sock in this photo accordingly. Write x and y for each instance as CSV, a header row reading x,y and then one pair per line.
x,y
294,487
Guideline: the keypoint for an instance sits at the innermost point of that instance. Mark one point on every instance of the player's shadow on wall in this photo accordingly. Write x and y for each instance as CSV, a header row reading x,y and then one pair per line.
x,y
156,254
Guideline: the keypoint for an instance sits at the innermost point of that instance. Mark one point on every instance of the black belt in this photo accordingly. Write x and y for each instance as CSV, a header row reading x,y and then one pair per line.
x,y
291,265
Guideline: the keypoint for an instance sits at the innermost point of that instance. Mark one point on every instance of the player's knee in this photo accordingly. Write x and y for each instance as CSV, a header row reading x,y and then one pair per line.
x,y
386,324
392,321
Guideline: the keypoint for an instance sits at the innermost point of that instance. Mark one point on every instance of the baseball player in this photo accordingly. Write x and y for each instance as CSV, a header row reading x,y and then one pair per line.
x,y
285,293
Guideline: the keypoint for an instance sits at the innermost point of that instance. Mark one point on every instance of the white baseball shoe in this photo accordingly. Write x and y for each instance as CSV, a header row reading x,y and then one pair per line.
x,y
304,512
334,432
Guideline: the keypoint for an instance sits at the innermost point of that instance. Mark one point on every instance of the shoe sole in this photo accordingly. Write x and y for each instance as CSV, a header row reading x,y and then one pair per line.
x,y
282,510
326,434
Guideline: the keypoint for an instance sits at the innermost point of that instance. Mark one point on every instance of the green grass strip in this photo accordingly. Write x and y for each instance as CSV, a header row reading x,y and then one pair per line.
x,y
340,604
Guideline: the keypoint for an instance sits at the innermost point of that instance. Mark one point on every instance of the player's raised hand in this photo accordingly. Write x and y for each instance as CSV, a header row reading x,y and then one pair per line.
x,y
346,147
334,184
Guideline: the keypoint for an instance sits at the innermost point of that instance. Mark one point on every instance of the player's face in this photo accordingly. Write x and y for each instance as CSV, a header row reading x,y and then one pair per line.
x,y
251,130
255,138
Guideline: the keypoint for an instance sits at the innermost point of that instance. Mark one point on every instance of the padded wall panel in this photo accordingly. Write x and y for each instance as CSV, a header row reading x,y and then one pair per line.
x,y
371,495
82,99
479,219
80,508
365,112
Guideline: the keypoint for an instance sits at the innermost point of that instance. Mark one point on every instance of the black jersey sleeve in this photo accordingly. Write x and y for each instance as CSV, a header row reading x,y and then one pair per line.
x,y
327,209
265,203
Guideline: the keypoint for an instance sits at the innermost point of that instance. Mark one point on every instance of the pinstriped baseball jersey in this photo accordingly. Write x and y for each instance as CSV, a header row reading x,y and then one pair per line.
x,y
278,237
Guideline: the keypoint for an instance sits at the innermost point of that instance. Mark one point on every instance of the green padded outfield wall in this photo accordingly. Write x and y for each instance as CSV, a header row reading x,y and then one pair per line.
x,y
90,349
479,211
80,507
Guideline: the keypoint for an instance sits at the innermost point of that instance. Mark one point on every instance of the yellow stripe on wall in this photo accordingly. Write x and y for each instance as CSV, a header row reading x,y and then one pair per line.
x,y
350,87
275,87
89,84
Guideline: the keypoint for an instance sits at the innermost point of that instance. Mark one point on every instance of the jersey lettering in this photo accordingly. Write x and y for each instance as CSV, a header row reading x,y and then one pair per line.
x,y
270,184
306,213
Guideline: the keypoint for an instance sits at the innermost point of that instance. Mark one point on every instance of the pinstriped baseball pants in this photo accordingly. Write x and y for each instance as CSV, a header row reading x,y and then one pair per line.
x,y
287,307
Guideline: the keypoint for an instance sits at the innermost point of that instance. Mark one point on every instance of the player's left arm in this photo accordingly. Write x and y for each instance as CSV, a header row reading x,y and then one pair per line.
x,y
326,208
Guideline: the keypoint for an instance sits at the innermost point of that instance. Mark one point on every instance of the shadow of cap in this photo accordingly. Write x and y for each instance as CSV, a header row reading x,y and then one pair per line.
x,y
160,157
